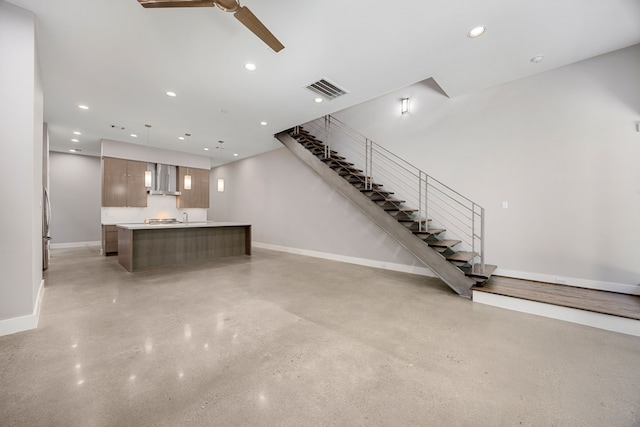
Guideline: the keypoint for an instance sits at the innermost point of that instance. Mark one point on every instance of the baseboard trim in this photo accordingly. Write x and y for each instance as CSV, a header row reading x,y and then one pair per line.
x,y
571,281
74,244
622,325
422,271
24,323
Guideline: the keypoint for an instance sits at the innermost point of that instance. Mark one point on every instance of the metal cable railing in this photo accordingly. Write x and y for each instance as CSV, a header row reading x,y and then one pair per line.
x,y
462,218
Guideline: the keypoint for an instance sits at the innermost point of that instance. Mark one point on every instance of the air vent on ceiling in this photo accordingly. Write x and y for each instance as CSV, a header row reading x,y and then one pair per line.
x,y
326,89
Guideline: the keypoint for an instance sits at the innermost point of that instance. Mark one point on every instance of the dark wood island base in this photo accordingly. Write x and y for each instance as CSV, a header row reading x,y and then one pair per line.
x,y
146,246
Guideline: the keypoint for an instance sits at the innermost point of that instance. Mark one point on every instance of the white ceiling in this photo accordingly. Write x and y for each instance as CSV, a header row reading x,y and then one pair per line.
x,y
120,59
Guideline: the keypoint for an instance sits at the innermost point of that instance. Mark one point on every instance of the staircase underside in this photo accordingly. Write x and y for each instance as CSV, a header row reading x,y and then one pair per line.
x,y
401,230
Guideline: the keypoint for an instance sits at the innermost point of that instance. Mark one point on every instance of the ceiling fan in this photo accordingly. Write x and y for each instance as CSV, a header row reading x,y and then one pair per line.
x,y
242,14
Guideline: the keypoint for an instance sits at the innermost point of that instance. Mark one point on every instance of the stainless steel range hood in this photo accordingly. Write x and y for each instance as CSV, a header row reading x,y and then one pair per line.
x,y
164,179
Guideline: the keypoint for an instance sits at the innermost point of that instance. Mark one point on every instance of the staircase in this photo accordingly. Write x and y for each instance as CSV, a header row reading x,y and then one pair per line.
x,y
451,244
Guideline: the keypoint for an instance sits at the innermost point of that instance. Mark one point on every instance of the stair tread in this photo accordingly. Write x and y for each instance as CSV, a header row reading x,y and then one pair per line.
x,y
444,243
337,159
430,231
460,256
475,271
382,193
396,209
393,201
347,170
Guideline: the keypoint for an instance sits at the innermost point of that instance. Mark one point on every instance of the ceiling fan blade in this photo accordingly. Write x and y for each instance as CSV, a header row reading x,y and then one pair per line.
x,y
176,3
250,21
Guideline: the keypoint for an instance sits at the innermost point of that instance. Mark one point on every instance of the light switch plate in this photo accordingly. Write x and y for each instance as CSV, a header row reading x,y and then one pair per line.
x,y
505,205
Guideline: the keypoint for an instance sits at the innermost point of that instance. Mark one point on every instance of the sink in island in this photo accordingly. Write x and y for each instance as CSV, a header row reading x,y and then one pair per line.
x,y
143,246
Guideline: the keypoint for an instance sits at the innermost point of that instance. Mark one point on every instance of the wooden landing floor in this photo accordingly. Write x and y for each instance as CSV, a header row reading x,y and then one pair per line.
x,y
604,302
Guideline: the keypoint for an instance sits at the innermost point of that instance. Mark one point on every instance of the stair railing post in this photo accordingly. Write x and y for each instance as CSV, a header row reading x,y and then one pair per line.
x,y
370,173
473,235
420,201
481,240
426,199
366,164
327,128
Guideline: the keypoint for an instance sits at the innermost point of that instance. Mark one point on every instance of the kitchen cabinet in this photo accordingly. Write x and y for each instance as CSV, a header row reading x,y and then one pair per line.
x,y
198,195
123,183
109,240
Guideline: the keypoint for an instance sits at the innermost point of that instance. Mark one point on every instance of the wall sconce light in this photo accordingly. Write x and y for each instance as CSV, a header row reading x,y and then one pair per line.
x,y
220,185
405,105
147,178
187,182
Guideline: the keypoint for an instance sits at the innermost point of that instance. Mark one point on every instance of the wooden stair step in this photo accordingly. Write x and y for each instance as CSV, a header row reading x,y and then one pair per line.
x,y
475,272
404,210
444,243
413,224
334,158
460,256
359,181
428,233
375,195
346,170
392,201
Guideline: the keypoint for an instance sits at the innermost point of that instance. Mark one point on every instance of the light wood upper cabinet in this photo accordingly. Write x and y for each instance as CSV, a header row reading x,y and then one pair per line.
x,y
123,183
198,195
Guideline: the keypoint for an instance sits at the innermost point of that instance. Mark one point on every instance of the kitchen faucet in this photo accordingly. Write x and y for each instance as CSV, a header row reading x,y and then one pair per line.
x,y
185,218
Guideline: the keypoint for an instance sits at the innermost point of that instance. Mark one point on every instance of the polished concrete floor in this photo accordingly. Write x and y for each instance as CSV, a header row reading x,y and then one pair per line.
x,y
287,340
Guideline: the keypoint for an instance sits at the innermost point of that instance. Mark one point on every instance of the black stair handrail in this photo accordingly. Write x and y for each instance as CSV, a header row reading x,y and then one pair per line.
x,y
447,208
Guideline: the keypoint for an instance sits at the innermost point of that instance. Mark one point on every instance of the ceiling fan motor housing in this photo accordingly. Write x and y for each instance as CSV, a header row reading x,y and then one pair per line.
x,y
228,5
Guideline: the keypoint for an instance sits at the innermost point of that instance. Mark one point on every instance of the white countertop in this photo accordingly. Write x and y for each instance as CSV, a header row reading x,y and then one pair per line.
x,y
194,224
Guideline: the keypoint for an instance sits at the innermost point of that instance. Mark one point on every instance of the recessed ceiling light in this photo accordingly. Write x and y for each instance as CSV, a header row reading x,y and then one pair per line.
x,y
250,67
537,58
133,135
171,94
83,107
318,100
75,132
263,123
75,150
181,138
75,140
476,32
235,154
206,149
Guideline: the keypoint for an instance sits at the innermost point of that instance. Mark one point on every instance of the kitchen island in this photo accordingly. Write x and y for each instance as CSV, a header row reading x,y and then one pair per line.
x,y
143,246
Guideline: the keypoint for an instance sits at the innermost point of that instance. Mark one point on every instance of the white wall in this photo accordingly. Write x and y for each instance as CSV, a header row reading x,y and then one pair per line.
x,y
21,131
75,198
292,208
561,147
